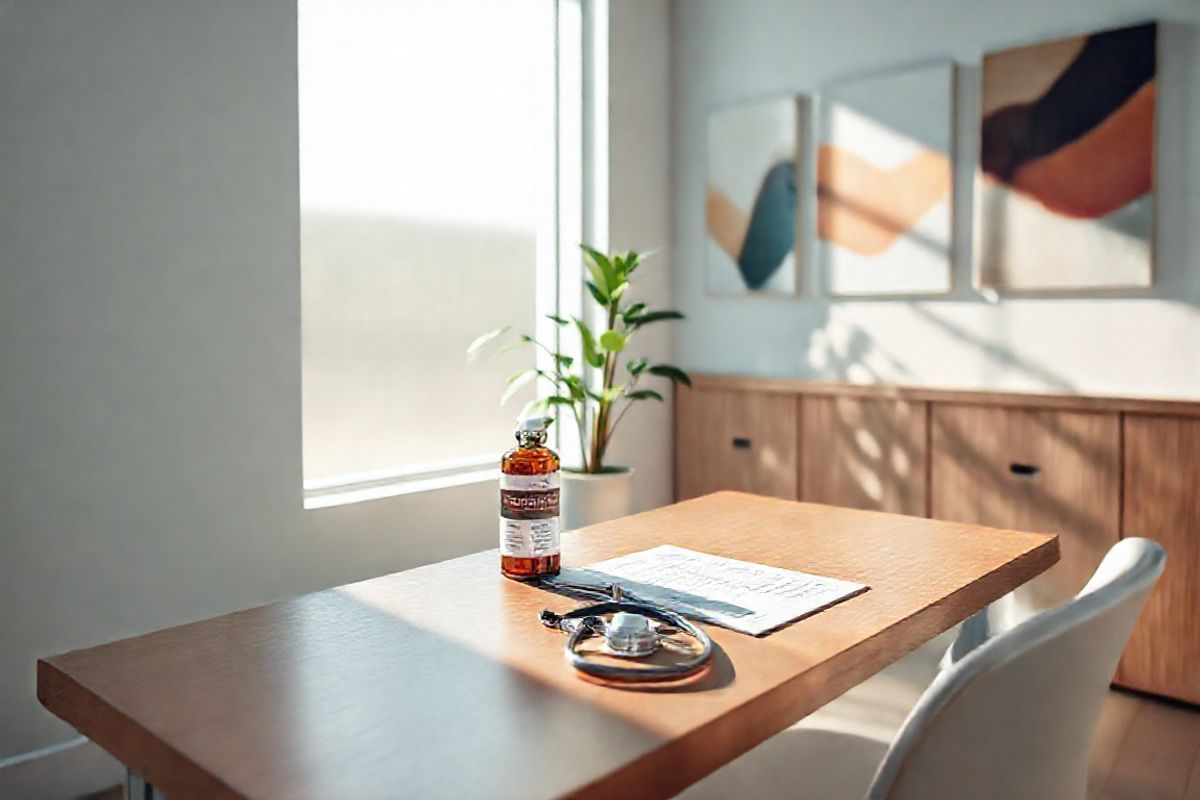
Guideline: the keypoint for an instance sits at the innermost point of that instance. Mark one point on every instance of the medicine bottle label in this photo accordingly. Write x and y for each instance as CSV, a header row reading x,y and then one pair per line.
x,y
529,515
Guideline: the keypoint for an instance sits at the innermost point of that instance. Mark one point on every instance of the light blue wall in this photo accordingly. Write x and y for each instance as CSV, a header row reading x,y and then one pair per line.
x,y
1132,343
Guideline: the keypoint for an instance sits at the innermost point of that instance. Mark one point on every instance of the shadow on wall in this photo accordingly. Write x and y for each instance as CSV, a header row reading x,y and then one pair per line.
x,y
996,353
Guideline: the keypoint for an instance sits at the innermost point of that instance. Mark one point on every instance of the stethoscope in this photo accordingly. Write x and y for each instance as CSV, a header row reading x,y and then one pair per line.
x,y
636,630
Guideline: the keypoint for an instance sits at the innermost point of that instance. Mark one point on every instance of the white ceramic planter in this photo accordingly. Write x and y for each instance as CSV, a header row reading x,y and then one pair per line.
x,y
590,498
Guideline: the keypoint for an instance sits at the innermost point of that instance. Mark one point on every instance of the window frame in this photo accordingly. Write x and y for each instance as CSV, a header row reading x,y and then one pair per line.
x,y
578,205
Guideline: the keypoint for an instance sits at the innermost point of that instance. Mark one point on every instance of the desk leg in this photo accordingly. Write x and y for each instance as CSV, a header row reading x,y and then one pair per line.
x,y
136,788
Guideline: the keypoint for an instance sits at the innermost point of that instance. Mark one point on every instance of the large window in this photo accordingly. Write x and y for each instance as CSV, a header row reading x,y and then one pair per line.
x,y
427,176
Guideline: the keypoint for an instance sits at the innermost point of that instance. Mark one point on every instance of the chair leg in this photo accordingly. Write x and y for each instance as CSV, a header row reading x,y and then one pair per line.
x,y
137,788
975,631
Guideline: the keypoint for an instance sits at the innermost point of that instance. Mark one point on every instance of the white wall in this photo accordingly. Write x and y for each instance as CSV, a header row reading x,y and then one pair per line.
x,y
150,331
1135,343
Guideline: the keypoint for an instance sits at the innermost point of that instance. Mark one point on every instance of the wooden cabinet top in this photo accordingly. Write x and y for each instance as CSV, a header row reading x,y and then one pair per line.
x,y
1066,402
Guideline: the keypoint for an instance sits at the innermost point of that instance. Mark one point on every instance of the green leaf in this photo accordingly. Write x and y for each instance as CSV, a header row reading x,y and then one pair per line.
x,y
566,361
521,341
556,318
637,366
633,310
511,346
543,404
598,295
480,341
517,382
645,394
600,267
612,341
616,293
590,354
610,394
597,261
591,260
641,258
632,259
575,386
638,320
619,266
674,373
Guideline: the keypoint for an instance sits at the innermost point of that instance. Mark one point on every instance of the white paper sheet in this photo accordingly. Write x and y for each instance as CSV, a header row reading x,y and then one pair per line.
x,y
740,595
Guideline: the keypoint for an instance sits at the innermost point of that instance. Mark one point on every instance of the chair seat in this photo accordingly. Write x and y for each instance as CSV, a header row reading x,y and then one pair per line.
x,y
831,754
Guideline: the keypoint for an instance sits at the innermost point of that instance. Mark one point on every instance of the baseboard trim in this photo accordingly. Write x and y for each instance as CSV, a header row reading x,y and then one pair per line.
x,y
63,771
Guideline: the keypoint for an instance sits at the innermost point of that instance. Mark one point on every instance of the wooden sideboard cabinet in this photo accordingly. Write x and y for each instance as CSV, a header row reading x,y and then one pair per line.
x,y
736,440
1032,470
863,452
1162,502
1090,469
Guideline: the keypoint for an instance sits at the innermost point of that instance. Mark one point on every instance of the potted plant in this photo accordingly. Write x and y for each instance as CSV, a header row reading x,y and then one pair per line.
x,y
595,389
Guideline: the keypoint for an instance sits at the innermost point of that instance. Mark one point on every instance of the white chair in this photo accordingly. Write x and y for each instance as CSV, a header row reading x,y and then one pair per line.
x,y
1013,718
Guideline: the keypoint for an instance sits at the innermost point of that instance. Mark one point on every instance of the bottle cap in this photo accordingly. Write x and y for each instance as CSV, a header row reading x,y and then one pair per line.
x,y
534,424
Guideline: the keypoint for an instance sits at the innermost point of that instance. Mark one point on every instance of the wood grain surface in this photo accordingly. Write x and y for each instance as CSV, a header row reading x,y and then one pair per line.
x,y
919,394
863,452
439,682
1162,502
1075,491
743,441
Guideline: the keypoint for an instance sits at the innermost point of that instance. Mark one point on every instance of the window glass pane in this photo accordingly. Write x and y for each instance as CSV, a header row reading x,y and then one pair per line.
x,y
426,167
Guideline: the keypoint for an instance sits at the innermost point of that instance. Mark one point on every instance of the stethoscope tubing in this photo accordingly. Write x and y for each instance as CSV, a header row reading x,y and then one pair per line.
x,y
651,673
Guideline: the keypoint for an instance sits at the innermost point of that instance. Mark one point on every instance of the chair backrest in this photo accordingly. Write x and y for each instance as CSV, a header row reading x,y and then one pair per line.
x,y
1016,716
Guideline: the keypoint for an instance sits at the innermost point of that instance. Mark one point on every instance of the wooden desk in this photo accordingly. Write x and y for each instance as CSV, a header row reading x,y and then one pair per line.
x,y
439,681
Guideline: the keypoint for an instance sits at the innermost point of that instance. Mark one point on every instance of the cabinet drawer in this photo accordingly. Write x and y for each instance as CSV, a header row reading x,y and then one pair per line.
x,y
1045,471
864,453
1162,502
735,440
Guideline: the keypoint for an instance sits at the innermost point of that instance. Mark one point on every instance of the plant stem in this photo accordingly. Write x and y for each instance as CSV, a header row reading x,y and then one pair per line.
x,y
600,430
579,422
579,426
613,428
620,417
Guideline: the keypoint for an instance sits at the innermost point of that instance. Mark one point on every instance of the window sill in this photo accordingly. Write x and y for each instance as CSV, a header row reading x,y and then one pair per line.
x,y
347,489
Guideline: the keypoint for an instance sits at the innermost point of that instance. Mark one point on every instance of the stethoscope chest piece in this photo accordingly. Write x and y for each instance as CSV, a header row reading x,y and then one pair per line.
x,y
633,632
629,635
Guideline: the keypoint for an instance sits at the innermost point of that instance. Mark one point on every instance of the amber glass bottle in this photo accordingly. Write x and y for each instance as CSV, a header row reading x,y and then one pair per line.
x,y
529,484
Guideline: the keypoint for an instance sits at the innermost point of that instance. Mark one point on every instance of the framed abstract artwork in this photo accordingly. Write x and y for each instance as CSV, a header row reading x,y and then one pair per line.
x,y
885,182
1064,186
750,198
